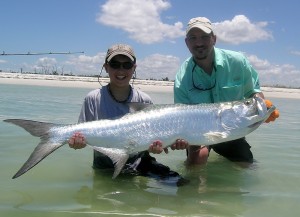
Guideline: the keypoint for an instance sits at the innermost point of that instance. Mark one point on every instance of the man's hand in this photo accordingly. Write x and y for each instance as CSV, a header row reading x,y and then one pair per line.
x,y
77,141
180,144
156,147
274,114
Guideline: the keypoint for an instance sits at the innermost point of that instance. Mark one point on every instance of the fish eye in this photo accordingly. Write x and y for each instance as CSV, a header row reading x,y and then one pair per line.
x,y
248,102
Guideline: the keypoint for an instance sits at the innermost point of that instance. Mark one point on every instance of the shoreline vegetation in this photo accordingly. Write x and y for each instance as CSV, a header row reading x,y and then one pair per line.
x,y
93,83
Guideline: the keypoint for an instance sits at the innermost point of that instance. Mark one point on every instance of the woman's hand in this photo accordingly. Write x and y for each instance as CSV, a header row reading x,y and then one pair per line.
x,y
77,141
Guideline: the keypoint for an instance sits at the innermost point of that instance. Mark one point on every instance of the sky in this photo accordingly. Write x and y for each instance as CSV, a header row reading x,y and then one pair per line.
x,y
265,31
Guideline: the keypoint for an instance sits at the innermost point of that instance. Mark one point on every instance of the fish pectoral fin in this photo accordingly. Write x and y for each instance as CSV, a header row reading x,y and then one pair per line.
x,y
215,136
118,156
228,127
119,164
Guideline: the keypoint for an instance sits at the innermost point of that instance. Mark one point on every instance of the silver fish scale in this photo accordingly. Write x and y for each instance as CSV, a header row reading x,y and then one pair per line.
x,y
164,123
136,131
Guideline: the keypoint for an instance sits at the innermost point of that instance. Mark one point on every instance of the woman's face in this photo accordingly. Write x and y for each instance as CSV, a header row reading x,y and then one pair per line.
x,y
120,70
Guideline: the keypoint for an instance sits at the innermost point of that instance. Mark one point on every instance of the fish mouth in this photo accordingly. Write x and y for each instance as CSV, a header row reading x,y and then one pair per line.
x,y
263,114
255,125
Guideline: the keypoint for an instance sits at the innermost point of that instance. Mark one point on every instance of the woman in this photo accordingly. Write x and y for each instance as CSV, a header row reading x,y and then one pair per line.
x,y
109,102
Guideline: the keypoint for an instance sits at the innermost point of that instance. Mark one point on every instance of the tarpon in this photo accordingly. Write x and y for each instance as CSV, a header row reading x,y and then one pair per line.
x,y
201,124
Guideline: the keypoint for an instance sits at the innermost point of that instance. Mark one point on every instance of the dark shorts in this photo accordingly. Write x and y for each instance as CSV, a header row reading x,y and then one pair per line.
x,y
235,150
142,164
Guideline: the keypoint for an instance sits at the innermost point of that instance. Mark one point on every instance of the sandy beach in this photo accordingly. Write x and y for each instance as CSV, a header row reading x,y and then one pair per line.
x,y
78,81
92,83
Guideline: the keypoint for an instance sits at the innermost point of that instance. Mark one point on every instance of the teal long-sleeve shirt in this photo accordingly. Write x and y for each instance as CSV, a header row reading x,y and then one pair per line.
x,y
233,78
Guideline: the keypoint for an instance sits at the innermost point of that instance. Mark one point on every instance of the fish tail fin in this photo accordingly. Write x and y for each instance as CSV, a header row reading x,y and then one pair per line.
x,y
45,146
35,128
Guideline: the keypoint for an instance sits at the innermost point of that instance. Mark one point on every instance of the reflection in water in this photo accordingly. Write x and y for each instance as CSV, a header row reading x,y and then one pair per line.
x,y
214,189
126,192
25,199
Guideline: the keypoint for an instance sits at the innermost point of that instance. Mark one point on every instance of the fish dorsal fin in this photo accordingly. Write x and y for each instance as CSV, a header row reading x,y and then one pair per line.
x,y
118,156
138,106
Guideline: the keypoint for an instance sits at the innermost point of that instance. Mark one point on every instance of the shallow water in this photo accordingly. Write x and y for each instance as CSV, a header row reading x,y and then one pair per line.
x,y
64,184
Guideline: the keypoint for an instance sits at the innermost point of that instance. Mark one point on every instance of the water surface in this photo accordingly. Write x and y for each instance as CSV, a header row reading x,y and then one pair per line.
x,y
64,184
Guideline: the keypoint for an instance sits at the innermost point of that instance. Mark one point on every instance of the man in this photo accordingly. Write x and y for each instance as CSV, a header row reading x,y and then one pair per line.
x,y
214,75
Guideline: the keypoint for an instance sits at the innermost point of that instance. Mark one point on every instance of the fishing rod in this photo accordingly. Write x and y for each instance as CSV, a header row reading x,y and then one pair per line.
x,y
30,53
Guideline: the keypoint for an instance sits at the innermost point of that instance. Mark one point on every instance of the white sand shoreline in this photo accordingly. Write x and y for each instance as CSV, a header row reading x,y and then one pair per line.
x,y
92,83
78,81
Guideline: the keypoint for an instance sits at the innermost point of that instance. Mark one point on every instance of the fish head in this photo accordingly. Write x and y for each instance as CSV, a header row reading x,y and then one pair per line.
x,y
248,114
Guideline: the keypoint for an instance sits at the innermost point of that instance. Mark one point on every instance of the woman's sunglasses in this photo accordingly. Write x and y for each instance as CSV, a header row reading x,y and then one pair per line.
x,y
117,65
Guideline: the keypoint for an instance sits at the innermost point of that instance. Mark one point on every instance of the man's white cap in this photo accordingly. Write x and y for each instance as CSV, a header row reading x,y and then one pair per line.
x,y
201,23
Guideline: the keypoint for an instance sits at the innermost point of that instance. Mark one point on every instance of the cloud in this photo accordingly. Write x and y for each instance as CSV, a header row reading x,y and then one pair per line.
x,y
86,65
240,30
296,53
44,65
155,66
158,66
46,61
140,19
272,74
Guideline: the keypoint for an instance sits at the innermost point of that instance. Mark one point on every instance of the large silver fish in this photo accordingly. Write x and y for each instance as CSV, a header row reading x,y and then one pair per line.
x,y
203,124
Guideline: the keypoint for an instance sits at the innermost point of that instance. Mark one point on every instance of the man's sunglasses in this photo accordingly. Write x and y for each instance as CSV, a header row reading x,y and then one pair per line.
x,y
199,87
117,65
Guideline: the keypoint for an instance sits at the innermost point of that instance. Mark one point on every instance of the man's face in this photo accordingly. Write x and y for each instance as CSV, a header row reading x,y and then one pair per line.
x,y
200,43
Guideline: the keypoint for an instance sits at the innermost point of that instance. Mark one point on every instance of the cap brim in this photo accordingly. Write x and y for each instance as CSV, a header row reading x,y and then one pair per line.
x,y
120,53
203,28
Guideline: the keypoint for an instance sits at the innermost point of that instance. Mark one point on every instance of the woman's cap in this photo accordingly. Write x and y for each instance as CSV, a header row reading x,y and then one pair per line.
x,y
120,49
201,23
